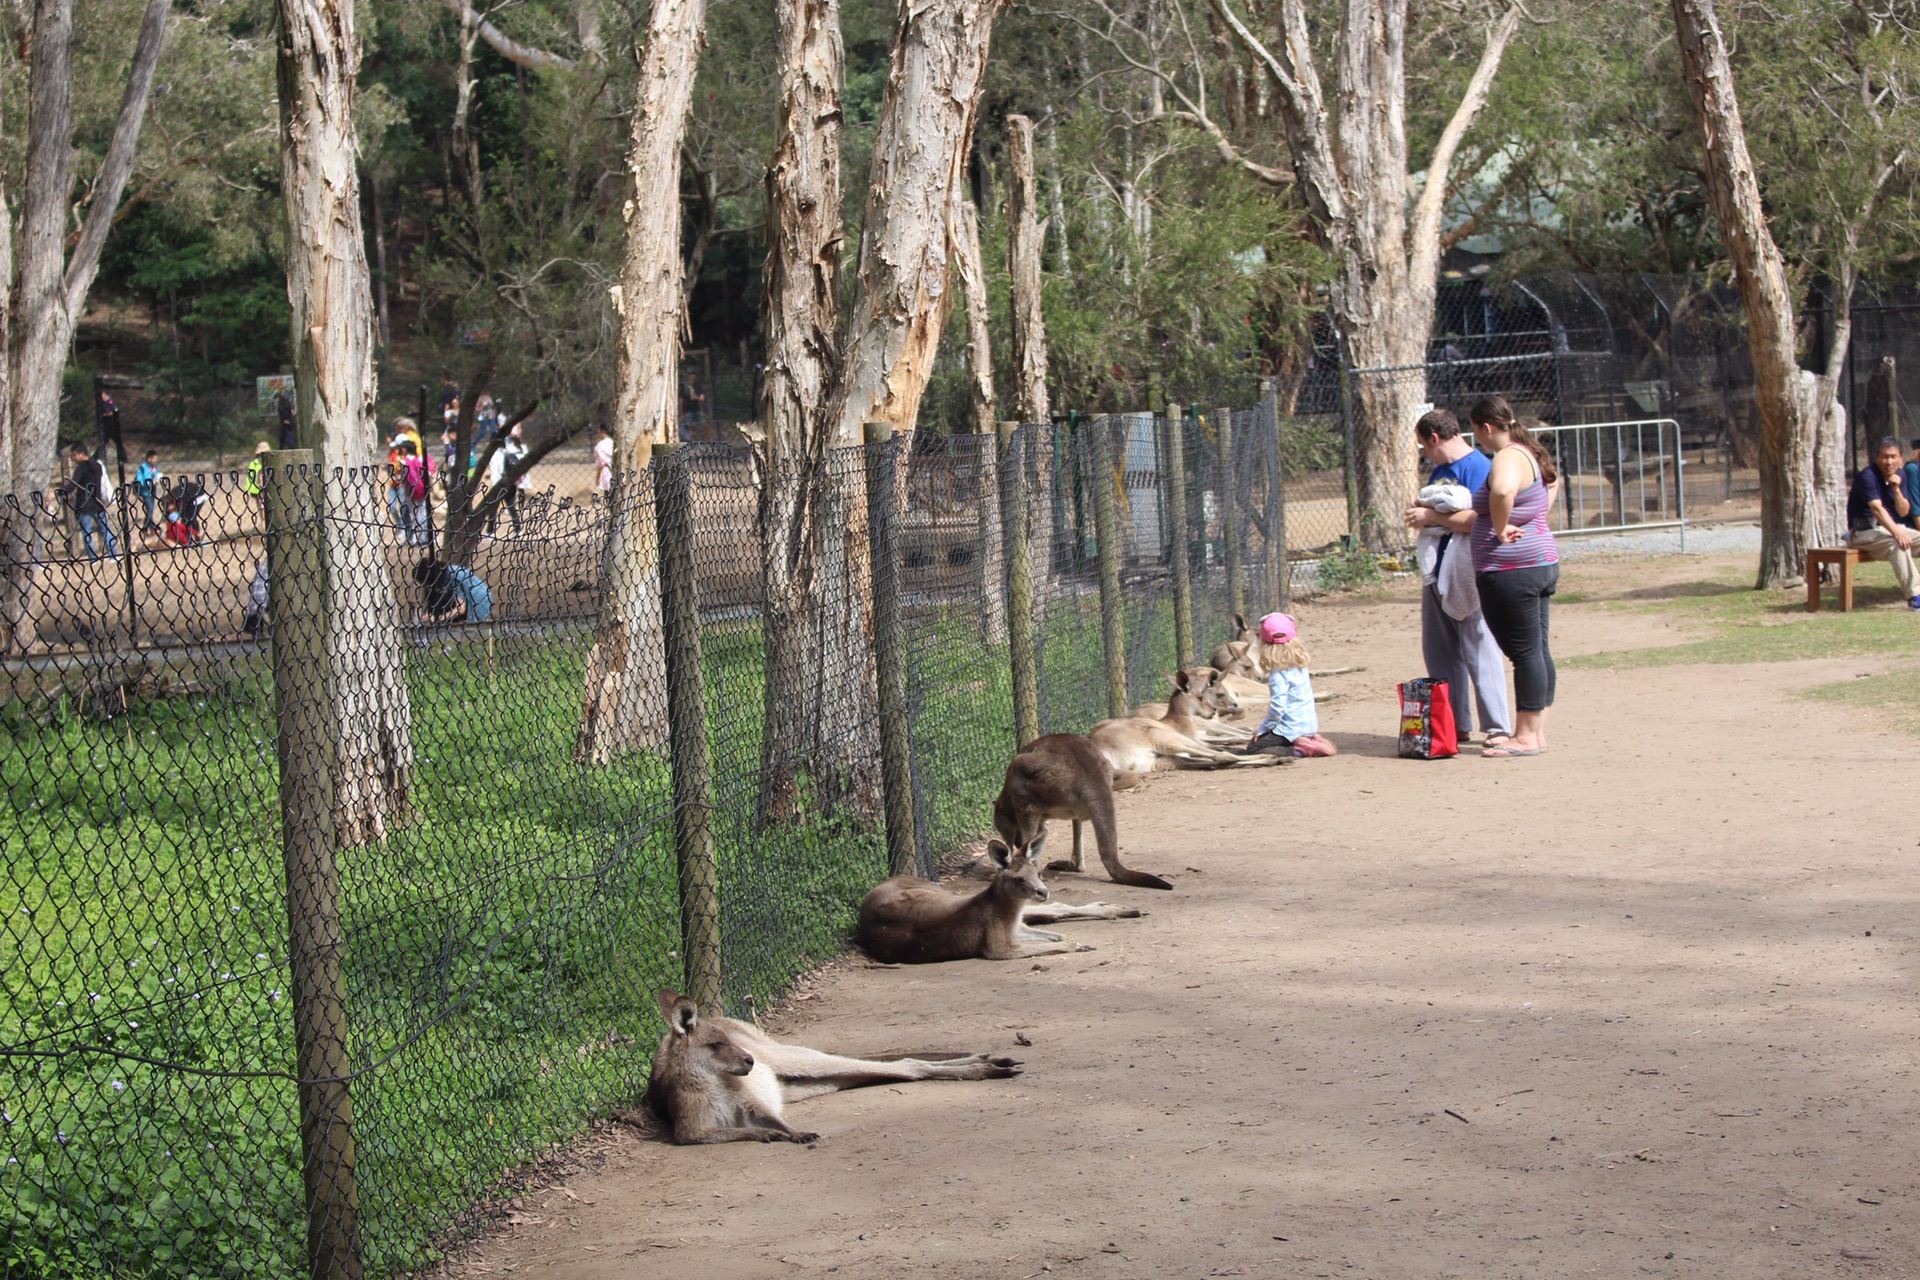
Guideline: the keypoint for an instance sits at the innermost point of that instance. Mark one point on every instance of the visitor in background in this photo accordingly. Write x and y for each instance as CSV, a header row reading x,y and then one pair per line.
x,y
397,506
603,461
255,620
87,491
253,482
146,483
414,485
454,593
283,410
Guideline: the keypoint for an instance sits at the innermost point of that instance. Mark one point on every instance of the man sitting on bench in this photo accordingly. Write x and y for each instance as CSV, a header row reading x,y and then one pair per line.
x,y
1876,508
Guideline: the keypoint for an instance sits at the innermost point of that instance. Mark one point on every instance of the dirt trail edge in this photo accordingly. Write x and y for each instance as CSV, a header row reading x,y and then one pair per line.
x,y
1642,1006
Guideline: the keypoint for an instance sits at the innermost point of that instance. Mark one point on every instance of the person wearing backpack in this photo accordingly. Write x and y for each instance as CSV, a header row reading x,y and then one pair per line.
x,y
87,492
414,482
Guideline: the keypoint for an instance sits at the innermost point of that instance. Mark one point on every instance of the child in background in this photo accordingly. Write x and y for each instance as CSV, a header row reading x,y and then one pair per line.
x,y
146,483
1291,724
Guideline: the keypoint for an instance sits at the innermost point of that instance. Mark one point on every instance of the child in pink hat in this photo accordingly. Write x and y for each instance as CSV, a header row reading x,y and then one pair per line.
x,y
1292,724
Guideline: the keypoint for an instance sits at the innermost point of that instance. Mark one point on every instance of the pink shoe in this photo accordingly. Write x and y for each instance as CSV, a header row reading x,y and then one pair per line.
x,y
1313,745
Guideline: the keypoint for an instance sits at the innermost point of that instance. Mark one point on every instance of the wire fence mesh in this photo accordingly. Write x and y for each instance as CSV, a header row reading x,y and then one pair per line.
x,y
348,841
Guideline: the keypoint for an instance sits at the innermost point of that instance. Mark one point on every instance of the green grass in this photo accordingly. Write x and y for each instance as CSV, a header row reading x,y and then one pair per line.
x,y
501,946
1893,697
1741,625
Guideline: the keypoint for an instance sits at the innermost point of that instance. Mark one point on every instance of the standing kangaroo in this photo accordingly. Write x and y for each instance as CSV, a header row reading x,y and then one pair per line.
x,y
1064,775
718,1080
907,920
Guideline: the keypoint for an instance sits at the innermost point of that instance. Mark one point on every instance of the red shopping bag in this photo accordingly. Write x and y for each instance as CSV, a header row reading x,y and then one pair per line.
x,y
1427,730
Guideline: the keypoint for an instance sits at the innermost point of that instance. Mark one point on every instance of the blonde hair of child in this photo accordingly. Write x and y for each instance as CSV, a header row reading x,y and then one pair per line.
x,y
1285,657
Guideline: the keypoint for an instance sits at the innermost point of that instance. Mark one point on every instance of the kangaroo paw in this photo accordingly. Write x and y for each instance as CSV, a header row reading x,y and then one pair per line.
x,y
1062,865
1084,947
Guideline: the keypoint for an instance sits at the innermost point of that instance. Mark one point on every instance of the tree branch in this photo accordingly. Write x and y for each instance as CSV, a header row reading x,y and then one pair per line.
x,y
506,46
1424,255
118,165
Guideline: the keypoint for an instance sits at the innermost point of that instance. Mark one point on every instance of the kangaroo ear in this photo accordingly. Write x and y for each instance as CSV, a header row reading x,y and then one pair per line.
x,y
1181,682
1239,623
680,1012
999,854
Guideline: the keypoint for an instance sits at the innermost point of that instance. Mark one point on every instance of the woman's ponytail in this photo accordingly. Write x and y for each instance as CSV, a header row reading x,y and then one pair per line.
x,y
1495,412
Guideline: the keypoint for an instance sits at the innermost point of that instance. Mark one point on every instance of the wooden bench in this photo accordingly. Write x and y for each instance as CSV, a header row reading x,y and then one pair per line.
x,y
1843,559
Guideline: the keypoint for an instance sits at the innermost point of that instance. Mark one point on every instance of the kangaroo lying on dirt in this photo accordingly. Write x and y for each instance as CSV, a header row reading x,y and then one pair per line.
x,y
1136,746
1200,701
1240,656
1064,775
718,1080
907,920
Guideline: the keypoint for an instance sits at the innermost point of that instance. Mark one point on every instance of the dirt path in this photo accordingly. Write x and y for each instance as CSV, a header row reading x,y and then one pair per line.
x,y
1643,1006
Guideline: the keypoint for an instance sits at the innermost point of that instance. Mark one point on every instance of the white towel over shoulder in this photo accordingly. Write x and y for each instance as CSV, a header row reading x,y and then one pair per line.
x,y
1451,574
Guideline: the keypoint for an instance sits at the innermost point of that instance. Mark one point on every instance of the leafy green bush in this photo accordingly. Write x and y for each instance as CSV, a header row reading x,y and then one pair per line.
x,y
1350,565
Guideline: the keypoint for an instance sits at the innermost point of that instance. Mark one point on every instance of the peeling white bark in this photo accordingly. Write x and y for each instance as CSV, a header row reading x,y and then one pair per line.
x,y
919,158
626,681
1025,236
332,331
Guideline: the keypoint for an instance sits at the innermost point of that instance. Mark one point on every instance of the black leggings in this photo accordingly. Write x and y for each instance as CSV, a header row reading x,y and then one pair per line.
x,y
1515,603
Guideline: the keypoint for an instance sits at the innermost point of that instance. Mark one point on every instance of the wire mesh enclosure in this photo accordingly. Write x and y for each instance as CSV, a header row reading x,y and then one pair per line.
x,y
345,853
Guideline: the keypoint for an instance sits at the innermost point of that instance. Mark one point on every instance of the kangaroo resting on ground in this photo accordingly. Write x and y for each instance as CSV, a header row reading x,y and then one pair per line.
x,y
1135,746
1200,701
1063,775
718,1080
907,920
1240,656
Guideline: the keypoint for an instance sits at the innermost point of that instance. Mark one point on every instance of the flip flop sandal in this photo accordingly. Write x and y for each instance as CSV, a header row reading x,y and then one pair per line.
x,y
1509,753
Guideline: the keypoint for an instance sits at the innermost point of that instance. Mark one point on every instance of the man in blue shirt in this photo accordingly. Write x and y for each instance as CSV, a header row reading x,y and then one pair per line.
x,y
1876,506
1460,651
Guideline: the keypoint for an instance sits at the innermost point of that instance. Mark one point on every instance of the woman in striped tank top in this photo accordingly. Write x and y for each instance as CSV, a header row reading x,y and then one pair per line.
x,y
1516,564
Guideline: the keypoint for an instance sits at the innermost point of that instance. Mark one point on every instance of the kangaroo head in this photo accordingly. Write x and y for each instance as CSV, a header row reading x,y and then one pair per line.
x,y
1018,876
1210,691
706,1044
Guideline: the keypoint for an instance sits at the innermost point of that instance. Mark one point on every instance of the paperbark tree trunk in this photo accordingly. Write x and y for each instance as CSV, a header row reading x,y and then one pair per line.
x,y
16,517
985,442
920,146
1733,191
1025,238
332,339
1350,159
626,669
1827,511
53,284
802,311
973,284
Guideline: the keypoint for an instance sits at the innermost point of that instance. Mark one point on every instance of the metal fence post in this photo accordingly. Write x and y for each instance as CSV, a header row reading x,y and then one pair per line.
x,y
1106,528
1014,513
889,644
1279,581
304,707
1230,531
687,730
1183,641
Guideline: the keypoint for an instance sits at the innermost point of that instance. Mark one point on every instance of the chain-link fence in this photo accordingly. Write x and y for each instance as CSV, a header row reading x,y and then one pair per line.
x,y
345,847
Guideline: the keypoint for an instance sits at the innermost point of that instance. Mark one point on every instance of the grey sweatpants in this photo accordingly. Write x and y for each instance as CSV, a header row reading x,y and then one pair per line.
x,y
1463,652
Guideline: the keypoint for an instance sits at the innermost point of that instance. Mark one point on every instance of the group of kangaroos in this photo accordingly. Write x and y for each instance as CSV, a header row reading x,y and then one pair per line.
x,y
721,1080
